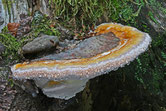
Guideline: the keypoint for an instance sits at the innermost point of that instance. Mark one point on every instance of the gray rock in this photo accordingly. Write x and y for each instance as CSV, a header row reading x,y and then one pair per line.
x,y
43,43
2,48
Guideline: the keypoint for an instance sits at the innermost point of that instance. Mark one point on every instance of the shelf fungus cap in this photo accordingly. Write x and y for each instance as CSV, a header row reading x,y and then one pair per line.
x,y
65,77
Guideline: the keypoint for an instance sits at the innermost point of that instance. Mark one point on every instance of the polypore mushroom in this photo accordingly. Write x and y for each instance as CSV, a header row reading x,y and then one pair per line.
x,y
65,74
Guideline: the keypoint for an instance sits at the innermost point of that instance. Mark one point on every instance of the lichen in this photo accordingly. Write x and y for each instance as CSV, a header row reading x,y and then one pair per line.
x,y
42,24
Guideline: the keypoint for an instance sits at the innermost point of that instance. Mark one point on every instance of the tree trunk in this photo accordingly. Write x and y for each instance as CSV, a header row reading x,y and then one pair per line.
x,y
138,86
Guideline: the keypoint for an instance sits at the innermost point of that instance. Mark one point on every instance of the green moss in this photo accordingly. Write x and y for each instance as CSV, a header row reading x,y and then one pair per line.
x,y
164,58
151,15
157,41
11,44
157,5
88,12
41,24
163,55
150,67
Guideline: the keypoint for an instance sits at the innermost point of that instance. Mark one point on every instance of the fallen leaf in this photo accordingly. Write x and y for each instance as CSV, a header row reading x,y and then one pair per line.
x,y
13,27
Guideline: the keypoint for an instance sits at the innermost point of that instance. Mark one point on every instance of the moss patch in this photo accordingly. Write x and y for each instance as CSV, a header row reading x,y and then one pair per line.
x,y
91,12
12,46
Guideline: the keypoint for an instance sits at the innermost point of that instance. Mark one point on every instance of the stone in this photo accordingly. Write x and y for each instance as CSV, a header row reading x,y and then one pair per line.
x,y
43,43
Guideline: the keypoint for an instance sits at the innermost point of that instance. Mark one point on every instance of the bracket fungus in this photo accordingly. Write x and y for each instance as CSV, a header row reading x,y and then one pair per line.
x,y
64,75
